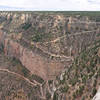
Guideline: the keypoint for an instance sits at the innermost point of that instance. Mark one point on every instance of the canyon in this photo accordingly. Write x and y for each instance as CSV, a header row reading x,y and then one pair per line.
x,y
45,45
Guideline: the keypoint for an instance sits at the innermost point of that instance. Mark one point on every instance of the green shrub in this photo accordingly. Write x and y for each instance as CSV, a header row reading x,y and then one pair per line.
x,y
74,95
25,72
26,26
15,61
50,82
84,78
81,88
74,80
55,97
37,78
37,37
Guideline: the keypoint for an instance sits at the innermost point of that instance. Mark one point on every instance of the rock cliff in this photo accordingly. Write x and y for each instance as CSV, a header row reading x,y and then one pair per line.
x,y
47,44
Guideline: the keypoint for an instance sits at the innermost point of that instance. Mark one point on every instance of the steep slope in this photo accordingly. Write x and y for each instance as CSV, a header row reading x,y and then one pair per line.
x,y
82,79
46,41
16,82
49,56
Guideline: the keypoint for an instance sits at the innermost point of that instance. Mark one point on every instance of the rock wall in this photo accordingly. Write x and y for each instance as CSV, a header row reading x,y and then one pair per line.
x,y
56,26
47,69
41,66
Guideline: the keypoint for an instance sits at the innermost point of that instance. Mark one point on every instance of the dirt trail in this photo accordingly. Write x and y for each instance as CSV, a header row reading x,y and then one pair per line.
x,y
77,33
55,40
68,58
34,84
6,70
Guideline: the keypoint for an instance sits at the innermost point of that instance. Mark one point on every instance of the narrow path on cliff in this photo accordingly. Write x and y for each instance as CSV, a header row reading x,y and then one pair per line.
x,y
77,33
4,64
34,84
68,58
6,70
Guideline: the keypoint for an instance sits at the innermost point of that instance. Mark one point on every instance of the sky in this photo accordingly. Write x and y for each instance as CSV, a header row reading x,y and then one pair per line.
x,y
50,5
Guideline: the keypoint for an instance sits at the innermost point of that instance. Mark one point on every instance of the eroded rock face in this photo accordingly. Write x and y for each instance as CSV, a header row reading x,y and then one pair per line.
x,y
39,65
59,52
15,83
46,45
60,39
33,62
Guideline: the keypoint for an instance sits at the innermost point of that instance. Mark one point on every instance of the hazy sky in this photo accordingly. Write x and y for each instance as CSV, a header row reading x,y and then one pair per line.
x,y
89,5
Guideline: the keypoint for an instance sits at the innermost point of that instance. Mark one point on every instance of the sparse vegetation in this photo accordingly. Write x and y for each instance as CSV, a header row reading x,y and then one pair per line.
x,y
84,73
39,37
55,97
37,78
56,40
